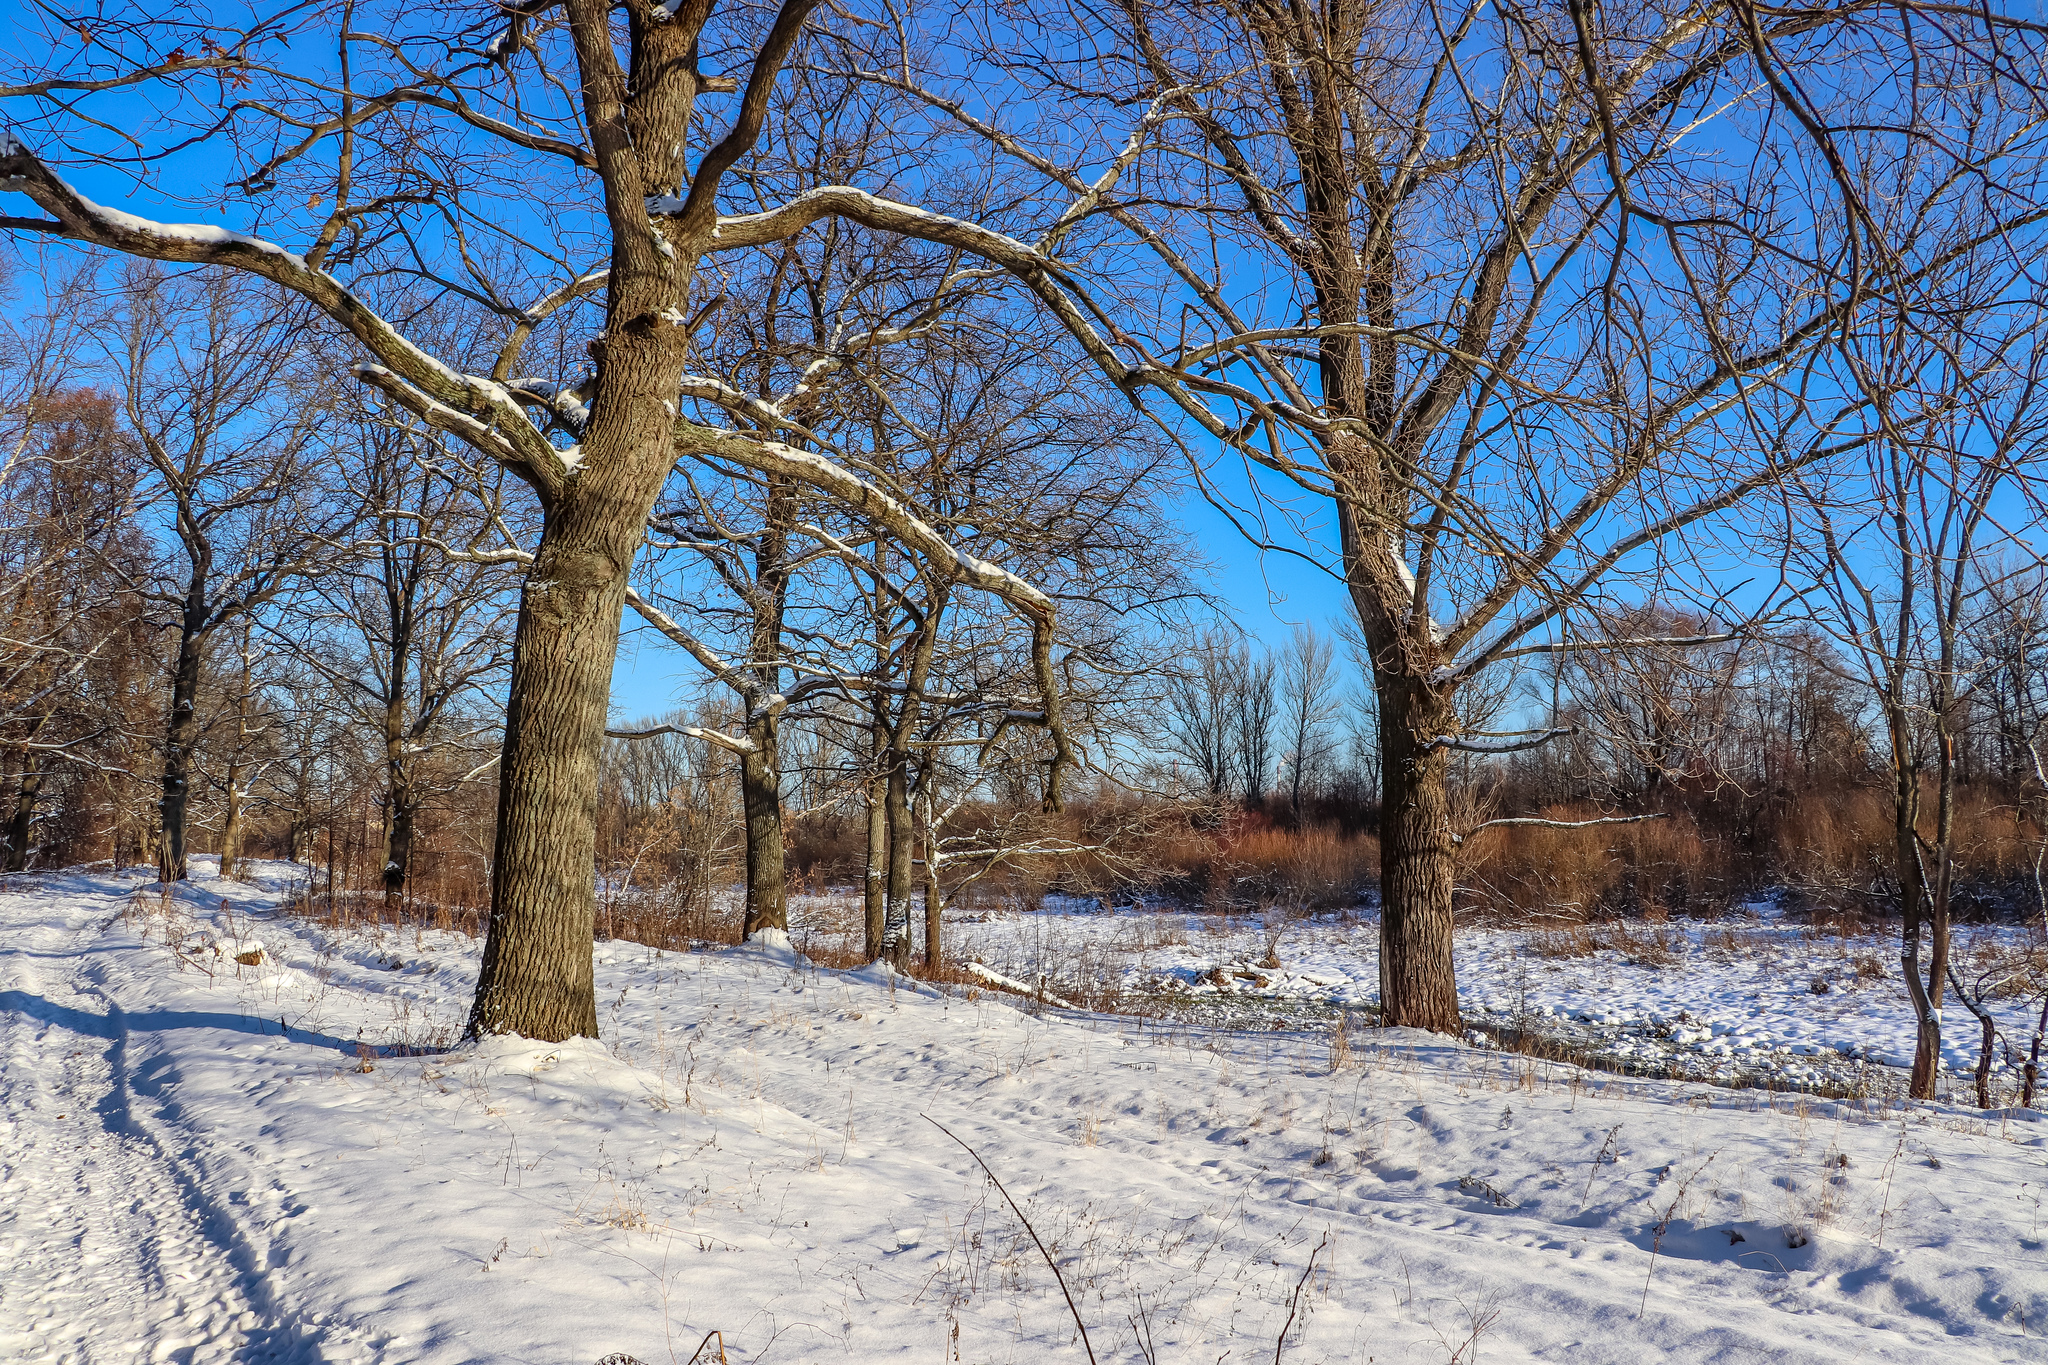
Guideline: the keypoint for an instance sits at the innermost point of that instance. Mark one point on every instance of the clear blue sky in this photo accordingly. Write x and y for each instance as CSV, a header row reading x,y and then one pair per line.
x,y
1267,593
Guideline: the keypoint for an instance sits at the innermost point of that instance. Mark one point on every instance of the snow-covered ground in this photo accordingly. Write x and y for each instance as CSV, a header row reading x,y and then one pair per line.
x,y
210,1160
1730,1001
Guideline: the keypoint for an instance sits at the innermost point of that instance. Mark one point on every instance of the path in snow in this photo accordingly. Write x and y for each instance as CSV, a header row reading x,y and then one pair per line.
x,y
113,1252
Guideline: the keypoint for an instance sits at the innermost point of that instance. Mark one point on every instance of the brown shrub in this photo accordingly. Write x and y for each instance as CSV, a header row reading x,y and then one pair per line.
x,y
1523,872
1317,868
1246,860
1649,944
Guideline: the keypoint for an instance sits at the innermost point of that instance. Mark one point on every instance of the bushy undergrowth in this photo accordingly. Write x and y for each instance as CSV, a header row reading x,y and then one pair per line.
x,y
1827,854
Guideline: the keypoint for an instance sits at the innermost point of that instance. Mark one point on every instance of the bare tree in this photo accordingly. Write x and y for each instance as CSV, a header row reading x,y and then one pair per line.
x,y
415,638
608,125
71,638
2009,640
1252,702
1468,275
1655,716
231,446
1900,575
1195,725
1309,708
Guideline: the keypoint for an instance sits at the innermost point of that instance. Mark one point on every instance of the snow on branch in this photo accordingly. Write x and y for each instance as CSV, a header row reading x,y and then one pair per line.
x,y
478,410
866,498
732,743
861,495
1012,984
736,678
1466,746
1560,824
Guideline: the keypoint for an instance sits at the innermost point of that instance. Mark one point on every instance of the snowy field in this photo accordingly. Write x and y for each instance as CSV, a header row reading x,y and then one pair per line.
x,y
1733,1002
204,1159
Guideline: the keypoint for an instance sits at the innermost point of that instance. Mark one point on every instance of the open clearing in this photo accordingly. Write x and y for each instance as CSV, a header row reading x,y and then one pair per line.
x,y
1755,999
206,1160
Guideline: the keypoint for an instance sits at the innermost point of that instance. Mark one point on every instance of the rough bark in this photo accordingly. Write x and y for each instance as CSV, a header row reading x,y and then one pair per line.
x,y
21,820
1418,984
401,801
934,901
761,768
401,815
761,797
875,884
179,734
536,976
231,825
231,831
896,945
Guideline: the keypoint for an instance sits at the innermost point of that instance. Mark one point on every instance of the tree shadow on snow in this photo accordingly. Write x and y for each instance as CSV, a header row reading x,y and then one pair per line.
x,y
158,1021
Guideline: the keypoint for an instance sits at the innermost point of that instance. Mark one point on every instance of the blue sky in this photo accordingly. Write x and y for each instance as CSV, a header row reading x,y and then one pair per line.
x,y
1266,594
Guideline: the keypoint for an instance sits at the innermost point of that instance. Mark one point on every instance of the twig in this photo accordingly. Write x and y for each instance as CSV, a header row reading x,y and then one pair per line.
x,y
1664,1225
1606,1155
1294,1304
1054,1265
1141,1329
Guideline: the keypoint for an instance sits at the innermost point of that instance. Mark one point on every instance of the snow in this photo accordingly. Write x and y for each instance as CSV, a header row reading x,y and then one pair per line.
x,y
567,401
202,1160
1725,1002
1011,983
199,234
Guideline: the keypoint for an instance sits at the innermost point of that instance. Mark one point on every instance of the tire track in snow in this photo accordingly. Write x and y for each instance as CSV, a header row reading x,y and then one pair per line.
x,y
111,1250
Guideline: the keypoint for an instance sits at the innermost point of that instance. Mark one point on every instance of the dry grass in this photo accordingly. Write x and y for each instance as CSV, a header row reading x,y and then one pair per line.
x,y
1736,941
1650,869
1249,862
1651,945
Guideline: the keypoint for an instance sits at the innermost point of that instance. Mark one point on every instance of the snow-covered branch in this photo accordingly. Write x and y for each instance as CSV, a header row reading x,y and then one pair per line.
x,y
466,405
1559,824
1467,746
732,743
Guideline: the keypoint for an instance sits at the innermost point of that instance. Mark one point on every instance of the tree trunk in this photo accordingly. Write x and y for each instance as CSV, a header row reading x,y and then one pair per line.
x,y
761,796
761,769
400,797
1912,903
401,815
21,820
1418,984
896,945
934,903
231,828
875,885
231,825
536,976
2030,1074
1984,1052
178,736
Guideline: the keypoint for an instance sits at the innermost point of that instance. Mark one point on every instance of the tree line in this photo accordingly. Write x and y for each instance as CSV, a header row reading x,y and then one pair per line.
x,y
848,352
